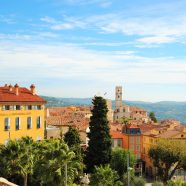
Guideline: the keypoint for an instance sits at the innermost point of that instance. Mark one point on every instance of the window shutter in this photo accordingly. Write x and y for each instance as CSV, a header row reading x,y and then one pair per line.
x,y
8,123
30,122
40,121
19,123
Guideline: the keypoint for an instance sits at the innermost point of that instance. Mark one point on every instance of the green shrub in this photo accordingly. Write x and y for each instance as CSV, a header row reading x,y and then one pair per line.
x,y
138,181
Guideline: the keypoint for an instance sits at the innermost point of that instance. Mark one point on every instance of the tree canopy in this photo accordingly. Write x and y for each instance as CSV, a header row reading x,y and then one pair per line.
x,y
153,117
72,137
168,155
99,145
104,176
38,163
119,161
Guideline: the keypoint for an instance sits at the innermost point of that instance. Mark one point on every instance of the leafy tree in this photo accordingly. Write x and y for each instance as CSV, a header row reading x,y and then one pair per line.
x,y
50,166
124,120
119,161
167,155
134,180
104,176
72,137
16,158
153,117
138,181
99,146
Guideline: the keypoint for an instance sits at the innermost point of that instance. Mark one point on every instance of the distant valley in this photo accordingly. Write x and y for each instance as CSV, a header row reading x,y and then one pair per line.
x,y
163,109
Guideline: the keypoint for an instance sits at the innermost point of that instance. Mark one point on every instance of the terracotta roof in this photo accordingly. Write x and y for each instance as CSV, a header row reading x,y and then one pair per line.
x,y
116,134
24,95
116,126
133,109
68,120
169,134
132,126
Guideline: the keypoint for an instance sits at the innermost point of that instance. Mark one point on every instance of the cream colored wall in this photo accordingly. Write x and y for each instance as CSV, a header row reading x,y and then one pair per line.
x,y
12,133
53,133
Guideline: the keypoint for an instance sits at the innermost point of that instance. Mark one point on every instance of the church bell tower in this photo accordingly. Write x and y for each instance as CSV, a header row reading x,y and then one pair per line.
x,y
118,97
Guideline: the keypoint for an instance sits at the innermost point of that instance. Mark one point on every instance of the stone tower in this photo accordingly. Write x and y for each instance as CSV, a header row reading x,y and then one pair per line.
x,y
118,97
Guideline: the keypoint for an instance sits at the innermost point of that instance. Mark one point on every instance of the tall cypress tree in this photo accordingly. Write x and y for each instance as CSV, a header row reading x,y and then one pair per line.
x,y
99,145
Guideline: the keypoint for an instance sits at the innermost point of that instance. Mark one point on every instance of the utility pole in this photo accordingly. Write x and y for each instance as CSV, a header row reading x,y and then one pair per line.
x,y
65,173
128,169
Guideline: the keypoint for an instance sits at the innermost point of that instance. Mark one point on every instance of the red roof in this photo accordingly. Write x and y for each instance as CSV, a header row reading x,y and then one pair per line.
x,y
132,126
24,95
116,134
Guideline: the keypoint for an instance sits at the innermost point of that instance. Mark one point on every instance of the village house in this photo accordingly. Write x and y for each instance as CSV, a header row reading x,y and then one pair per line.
x,y
21,113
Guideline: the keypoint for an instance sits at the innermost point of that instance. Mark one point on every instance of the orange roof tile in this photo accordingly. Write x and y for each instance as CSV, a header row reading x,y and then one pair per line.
x,y
24,95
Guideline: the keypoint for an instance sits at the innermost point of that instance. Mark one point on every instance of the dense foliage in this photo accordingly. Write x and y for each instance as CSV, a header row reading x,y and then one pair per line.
x,y
152,117
104,176
99,146
119,161
168,155
42,163
72,138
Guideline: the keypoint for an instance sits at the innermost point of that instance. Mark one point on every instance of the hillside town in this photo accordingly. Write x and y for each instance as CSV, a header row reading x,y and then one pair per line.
x,y
23,113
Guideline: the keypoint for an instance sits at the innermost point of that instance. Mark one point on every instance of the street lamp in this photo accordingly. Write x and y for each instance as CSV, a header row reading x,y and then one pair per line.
x,y
128,169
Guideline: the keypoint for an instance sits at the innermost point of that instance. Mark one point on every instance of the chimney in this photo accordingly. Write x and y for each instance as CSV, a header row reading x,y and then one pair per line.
x,y
16,89
33,89
6,85
10,88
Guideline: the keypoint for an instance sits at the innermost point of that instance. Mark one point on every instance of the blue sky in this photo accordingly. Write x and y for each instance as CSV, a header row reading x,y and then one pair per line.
x,y
79,48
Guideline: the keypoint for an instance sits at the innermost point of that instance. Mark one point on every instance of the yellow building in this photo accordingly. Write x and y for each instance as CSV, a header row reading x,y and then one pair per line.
x,y
151,137
21,113
149,140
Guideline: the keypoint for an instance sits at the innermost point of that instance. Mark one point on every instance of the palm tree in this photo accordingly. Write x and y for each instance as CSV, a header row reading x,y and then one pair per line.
x,y
54,156
17,158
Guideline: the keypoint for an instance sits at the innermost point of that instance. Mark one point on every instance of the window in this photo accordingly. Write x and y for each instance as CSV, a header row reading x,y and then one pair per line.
x,y
131,139
38,107
28,107
29,123
138,139
138,156
7,107
131,147
7,123
38,122
138,148
18,107
17,123
119,143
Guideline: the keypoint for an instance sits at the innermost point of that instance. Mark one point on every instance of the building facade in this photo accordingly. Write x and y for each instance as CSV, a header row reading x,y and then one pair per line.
x,y
21,113
125,111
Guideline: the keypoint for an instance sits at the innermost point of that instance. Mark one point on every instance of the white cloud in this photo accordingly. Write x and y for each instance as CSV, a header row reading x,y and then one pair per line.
x,y
152,30
156,40
68,61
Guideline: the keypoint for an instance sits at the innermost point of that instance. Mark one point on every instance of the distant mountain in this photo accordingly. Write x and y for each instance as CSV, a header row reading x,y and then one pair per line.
x,y
163,109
